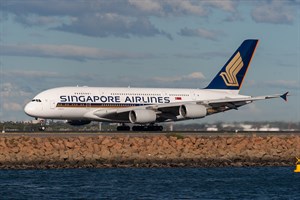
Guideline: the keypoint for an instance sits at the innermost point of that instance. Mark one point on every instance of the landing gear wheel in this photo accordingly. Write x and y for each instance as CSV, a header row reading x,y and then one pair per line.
x,y
138,128
155,128
42,128
123,128
147,128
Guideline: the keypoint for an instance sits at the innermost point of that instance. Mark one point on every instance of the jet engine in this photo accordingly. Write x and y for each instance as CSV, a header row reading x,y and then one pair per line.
x,y
78,122
192,111
142,116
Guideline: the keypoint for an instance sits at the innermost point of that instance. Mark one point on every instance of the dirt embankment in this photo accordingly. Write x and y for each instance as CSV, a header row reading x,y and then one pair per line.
x,y
22,152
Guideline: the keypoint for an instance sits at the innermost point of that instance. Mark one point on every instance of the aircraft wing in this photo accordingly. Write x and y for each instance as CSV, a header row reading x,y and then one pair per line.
x,y
217,105
170,111
232,102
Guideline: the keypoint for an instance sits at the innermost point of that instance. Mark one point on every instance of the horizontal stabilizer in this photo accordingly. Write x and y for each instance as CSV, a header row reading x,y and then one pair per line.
x,y
284,96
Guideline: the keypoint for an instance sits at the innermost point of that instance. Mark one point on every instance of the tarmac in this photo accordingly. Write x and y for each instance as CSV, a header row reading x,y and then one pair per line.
x,y
143,133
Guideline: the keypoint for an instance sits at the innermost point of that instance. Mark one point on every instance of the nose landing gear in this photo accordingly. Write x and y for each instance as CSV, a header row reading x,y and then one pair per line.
x,y
42,126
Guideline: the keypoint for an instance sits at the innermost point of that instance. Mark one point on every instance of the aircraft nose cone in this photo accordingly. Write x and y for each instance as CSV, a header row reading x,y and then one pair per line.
x,y
30,109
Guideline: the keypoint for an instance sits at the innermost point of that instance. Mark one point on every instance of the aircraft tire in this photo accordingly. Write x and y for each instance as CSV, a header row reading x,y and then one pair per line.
x,y
155,128
123,128
147,128
42,128
138,128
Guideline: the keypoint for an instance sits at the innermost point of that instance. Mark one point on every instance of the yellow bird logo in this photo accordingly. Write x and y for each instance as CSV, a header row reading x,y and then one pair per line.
x,y
232,69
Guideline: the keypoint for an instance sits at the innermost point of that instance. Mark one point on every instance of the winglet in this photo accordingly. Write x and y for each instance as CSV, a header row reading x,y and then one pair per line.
x,y
284,96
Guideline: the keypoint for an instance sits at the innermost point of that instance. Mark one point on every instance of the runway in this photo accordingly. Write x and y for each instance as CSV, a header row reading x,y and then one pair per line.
x,y
144,133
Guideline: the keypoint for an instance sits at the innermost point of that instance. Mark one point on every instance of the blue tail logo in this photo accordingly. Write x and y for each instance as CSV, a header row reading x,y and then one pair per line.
x,y
234,71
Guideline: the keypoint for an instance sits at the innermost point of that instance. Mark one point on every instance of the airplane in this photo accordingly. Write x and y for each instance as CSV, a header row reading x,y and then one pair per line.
x,y
147,107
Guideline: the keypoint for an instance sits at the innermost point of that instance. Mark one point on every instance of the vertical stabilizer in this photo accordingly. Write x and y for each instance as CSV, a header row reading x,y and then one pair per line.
x,y
234,71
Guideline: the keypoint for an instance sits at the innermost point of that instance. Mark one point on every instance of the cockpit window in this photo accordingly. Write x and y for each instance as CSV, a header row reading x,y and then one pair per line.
x,y
36,100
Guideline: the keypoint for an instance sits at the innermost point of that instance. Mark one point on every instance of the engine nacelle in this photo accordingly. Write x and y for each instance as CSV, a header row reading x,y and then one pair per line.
x,y
192,111
142,116
78,122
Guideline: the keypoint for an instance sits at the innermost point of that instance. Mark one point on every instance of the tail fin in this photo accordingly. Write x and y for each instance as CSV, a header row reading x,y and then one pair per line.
x,y
233,72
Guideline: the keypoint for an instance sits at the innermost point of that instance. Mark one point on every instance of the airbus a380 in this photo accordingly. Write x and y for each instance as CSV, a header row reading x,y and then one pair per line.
x,y
145,107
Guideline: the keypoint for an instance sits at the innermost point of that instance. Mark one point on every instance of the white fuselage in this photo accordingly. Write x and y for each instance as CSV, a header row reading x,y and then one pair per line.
x,y
79,103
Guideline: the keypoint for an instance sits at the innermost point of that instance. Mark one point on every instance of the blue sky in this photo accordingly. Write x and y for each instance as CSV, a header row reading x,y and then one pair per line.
x,y
148,43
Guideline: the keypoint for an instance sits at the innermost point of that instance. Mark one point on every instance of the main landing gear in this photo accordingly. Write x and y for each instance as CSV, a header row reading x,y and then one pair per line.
x,y
147,128
123,127
151,127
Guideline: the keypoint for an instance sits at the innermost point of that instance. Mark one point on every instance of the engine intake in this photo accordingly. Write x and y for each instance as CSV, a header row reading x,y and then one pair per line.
x,y
192,111
142,116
